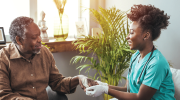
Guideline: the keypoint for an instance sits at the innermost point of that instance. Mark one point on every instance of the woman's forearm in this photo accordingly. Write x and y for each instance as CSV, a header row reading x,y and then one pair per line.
x,y
145,93
123,89
123,95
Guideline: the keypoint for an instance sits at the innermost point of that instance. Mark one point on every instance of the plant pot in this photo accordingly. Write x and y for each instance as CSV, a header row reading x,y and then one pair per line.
x,y
107,97
61,27
111,81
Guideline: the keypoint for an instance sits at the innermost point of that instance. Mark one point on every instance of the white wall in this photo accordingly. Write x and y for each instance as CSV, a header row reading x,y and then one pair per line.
x,y
94,4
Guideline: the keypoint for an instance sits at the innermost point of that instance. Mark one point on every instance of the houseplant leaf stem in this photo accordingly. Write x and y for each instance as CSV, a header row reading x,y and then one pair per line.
x,y
110,50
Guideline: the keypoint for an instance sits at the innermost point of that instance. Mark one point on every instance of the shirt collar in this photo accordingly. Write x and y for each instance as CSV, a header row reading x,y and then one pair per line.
x,y
14,52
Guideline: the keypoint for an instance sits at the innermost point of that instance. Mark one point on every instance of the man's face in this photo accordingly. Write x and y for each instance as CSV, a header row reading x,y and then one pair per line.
x,y
32,41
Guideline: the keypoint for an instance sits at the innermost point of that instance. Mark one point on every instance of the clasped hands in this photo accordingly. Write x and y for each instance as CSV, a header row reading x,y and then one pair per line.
x,y
93,88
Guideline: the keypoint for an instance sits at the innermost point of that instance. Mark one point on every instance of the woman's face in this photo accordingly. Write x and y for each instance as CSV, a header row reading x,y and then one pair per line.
x,y
135,36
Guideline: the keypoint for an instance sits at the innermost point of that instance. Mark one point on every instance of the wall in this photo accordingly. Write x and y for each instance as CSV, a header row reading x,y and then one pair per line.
x,y
94,4
168,43
33,9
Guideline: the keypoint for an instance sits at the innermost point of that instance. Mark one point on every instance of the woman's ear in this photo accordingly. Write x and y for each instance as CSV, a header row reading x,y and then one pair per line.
x,y
19,40
147,35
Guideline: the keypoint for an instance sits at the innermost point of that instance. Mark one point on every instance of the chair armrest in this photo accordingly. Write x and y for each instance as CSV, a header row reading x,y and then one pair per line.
x,y
52,95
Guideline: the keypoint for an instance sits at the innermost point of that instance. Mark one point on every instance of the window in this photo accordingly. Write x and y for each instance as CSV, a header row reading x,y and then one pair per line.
x,y
10,9
49,7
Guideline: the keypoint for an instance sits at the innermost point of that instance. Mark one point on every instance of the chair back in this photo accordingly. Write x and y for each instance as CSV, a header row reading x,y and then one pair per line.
x,y
176,80
52,95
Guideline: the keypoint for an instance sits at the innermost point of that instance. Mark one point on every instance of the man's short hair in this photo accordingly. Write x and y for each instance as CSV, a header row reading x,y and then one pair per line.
x,y
18,26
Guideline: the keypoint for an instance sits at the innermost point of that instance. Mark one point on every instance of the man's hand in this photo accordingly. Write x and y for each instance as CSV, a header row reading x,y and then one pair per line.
x,y
91,82
23,98
97,90
85,82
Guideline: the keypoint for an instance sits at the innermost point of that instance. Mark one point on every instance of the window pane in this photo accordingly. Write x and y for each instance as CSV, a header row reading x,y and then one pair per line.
x,y
10,9
49,7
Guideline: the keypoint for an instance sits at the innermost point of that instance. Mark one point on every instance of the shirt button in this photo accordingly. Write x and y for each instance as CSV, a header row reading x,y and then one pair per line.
x,y
31,74
33,87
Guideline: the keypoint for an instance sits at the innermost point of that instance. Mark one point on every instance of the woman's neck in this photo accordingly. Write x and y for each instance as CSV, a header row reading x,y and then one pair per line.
x,y
143,52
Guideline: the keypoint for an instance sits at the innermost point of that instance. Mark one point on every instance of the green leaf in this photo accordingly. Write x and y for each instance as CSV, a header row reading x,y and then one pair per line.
x,y
109,53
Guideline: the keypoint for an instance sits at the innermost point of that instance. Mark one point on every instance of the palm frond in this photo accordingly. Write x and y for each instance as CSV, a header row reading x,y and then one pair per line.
x,y
111,53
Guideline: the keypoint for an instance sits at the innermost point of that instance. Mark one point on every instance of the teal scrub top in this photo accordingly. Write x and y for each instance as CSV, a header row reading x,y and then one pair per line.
x,y
156,75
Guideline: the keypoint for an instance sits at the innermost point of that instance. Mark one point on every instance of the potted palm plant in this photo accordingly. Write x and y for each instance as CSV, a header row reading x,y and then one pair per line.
x,y
111,53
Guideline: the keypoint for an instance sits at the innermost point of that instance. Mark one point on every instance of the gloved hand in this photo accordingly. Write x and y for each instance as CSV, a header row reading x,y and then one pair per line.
x,y
84,82
96,90
101,83
114,99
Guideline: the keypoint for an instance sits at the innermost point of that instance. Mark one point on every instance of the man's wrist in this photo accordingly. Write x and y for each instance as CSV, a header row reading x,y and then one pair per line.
x,y
74,82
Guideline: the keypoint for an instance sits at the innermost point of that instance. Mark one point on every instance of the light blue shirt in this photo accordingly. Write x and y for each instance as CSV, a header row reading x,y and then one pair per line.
x,y
156,75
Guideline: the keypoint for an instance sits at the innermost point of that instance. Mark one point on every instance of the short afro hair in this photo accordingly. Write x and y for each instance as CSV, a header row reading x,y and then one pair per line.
x,y
150,19
18,26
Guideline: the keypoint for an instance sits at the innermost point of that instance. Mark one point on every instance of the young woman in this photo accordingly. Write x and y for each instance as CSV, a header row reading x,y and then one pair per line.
x,y
149,76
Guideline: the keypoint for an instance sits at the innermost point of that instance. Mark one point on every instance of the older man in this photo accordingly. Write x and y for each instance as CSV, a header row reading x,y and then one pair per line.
x,y
27,67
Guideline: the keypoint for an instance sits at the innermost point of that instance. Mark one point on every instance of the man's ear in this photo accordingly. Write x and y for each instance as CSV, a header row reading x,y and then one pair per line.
x,y
19,40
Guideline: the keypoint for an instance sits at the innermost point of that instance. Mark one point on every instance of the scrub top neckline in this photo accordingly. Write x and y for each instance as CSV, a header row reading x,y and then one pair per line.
x,y
144,56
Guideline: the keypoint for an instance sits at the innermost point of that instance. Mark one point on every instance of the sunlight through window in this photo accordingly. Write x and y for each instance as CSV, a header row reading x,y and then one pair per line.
x,y
10,9
49,7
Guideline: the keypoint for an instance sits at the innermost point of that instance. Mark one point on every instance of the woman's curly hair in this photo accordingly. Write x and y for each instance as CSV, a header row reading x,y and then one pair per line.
x,y
18,26
150,19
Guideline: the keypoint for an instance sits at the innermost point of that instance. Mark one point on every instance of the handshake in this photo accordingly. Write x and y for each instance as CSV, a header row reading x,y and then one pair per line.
x,y
93,88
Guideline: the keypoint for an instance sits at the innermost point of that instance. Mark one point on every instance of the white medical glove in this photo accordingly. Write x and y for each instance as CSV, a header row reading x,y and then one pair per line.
x,y
84,82
96,90
101,83
114,99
